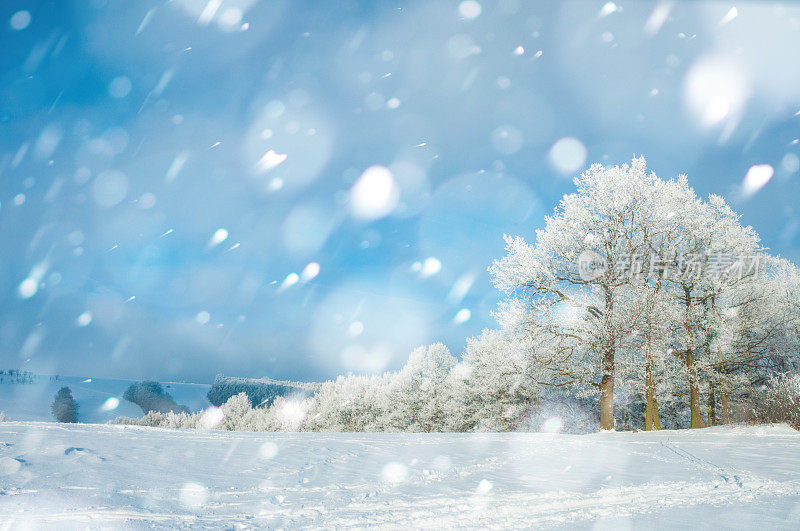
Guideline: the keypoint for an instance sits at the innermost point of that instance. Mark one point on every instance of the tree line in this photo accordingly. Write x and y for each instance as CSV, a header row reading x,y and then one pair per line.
x,y
639,305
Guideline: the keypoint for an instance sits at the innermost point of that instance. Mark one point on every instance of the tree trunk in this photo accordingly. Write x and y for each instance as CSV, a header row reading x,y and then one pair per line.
x,y
713,415
723,393
607,381
694,387
712,405
694,393
723,399
656,418
651,420
607,400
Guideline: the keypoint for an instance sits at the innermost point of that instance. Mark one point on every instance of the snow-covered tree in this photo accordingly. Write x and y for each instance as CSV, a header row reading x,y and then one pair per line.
x,y
418,394
574,283
64,407
349,403
494,383
758,335
235,411
710,257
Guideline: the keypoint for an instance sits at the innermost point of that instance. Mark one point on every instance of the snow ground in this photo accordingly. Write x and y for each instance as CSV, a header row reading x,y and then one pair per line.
x,y
60,476
32,401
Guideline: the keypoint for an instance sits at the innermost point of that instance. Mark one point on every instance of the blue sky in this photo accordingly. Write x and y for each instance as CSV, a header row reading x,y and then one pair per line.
x,y
169,170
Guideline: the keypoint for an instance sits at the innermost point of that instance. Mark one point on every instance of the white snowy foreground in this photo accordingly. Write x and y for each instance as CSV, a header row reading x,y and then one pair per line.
x,y
66,476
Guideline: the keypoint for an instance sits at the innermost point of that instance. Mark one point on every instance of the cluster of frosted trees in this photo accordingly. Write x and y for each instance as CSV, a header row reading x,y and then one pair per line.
x,y
638,300
637,287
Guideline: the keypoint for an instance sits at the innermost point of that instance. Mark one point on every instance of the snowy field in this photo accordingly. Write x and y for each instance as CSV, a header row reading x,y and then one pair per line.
x,y
59,476
32,401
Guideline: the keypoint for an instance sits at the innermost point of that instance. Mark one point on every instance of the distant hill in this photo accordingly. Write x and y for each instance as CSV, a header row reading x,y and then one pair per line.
x,y
260,391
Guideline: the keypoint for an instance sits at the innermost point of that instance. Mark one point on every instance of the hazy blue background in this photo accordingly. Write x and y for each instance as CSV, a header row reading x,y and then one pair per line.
x,y
131,133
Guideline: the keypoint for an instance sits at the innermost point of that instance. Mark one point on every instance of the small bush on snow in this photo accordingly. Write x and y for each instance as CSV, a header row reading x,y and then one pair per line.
x,y
157,419
349,403
235,411
566,415
777,401
235,414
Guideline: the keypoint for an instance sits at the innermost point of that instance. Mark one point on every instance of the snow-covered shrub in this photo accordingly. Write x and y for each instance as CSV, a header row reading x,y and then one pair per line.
x,y
418,396
64,407
493,384
235,411
230,416
285,414
776,401
150,396
349,403
564,415
288,413
157,419
261,392
3,417
257,419
235,414
421,397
